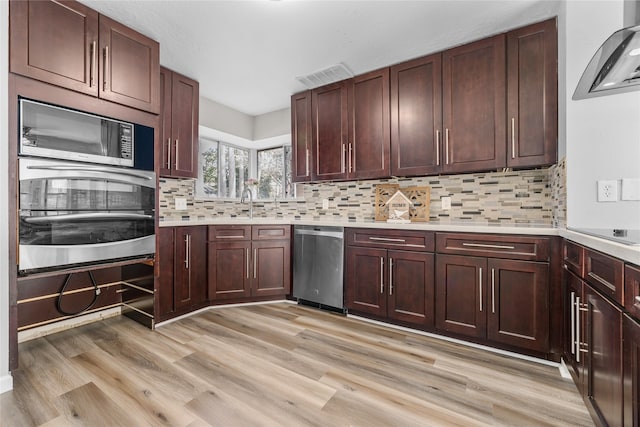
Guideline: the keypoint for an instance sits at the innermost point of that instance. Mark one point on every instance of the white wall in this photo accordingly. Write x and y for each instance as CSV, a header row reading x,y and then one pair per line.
x,y
220,117
5,376
602,134
272,124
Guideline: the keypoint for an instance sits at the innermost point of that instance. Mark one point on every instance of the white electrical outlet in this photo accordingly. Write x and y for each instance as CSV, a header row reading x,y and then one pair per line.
x,y
630,189
446,203
181,203
608,191
325,203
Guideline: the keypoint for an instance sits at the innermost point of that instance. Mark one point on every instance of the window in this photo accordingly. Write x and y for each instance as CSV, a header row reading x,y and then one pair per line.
x,y
274,173
223,169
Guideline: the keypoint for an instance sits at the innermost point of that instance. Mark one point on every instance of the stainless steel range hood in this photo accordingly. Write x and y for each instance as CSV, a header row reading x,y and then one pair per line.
x,y
615,68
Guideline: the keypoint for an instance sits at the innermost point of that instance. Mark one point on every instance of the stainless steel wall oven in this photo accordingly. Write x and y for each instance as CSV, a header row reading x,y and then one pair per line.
x,y
80,213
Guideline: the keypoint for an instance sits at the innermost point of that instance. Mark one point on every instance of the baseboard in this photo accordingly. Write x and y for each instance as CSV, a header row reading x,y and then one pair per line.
x,y
6,383
564,371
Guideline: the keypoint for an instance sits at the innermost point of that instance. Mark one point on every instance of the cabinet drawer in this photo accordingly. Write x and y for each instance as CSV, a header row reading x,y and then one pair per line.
x,y
409,240
604,273
573,257
494,246
271,232
229,232
632,290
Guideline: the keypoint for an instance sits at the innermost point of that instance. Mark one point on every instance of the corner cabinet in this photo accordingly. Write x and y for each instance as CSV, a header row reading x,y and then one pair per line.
x,y
301,137
182,271
72,46
389,275
178,125
249,263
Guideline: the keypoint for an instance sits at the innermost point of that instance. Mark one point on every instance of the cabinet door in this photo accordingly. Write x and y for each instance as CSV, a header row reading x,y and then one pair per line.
x,y
365,280
229,270
574,327
190,266
129,67
518,303
271,268
165,140
416,116
532,95
165,260
301,136
473,106
369,137
184,125
411,287
329,138
55,42
631,372
603,358
461,295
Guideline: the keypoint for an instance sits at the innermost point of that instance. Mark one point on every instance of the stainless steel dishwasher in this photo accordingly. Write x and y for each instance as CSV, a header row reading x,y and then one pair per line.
x,y
318,261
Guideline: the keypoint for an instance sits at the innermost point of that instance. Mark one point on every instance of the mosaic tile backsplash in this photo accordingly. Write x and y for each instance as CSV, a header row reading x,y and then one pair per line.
x,y
534,197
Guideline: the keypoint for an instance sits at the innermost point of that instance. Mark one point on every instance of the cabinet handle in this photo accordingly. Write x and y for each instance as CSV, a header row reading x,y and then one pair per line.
x,y
386,239
186,251
437,147
92,68
350,157
513,137
483,245
230,237
105,67
307,161
577,342
480,292
446,146
573,323
169,153
390,276
177,152
344,155
493,290
381,275
255,262
247,263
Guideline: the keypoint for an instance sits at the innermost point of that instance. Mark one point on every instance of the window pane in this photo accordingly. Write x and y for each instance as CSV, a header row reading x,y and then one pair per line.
x,y
234,170
271,173
289,188
209,165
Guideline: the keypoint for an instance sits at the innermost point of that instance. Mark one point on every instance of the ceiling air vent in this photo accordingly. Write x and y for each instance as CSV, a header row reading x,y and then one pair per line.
x,y
333,74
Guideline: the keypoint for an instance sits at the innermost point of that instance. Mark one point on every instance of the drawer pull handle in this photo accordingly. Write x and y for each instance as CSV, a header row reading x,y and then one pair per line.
x,y
602,281
484,245
229,237
386,239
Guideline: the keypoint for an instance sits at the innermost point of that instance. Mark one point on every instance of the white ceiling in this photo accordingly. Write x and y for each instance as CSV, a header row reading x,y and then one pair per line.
x,y
247,54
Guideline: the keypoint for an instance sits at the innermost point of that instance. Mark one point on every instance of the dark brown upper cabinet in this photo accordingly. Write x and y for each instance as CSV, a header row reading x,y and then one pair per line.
x,y
179,115
532,95
70,45
301,136
416,116
369,137
474,106
330,132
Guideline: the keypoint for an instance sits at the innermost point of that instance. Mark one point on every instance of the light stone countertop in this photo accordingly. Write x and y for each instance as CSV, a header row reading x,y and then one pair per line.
x,y
627,253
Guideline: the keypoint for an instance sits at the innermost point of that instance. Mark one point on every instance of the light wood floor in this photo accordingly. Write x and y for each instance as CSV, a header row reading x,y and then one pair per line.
x,y
276,365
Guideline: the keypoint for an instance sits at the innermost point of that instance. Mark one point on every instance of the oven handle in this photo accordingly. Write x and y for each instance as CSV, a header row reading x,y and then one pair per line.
x,y
91,169
83,216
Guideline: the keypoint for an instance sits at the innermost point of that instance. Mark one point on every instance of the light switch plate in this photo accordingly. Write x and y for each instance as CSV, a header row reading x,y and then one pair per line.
x,y
181,203
630,189
325,203
446,203
608,191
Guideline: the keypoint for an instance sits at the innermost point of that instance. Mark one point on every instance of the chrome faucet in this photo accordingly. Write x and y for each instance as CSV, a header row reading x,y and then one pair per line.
x,y
243,199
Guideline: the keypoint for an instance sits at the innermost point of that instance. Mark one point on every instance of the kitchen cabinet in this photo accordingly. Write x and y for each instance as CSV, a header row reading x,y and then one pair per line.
x,y
178,125
70,45
473,97
631,337
301,137
330,132
494,288
182,284
416,116
532,95
249,262
389,275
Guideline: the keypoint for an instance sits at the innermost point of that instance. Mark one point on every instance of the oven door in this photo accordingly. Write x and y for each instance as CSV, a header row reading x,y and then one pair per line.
x,y
74,213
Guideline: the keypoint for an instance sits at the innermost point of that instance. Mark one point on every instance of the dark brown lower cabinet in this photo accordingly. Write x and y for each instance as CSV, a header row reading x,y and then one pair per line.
x,y
631,337
182,272
501,300
392,284
229,264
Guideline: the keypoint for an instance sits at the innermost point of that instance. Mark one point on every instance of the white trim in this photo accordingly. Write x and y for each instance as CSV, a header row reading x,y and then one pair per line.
x,y
6,383
564,371
462,342
63,325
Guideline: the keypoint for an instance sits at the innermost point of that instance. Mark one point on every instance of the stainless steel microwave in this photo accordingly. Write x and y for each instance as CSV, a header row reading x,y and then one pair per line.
x,y
59,133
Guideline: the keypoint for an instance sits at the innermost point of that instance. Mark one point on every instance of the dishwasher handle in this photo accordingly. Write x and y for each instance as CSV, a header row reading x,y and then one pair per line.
x,y
322,233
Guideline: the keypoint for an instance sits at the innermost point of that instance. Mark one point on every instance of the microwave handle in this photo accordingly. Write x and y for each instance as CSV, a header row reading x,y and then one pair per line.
x,y
82,216
90,169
